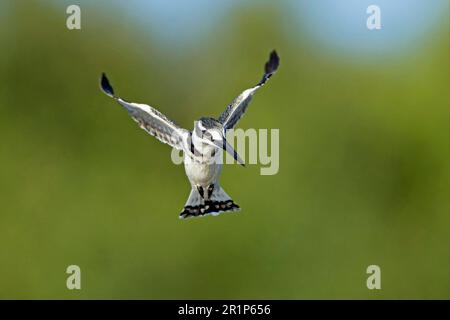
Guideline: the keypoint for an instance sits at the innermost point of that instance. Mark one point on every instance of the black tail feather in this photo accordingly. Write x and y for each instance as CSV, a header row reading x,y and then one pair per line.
x,y
209,207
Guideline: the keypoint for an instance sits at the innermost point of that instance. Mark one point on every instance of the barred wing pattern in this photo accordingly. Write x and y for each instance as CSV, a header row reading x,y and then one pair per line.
x,y
150,119
237,108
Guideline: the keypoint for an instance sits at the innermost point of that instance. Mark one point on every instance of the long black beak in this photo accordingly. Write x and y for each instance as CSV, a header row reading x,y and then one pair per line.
x,y
228,148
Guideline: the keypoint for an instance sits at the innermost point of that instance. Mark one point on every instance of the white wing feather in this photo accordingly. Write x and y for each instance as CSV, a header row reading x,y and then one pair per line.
x,y
151,120
237,108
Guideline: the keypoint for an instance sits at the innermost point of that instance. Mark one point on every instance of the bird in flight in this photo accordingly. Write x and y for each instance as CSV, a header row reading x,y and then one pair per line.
x,y
201,147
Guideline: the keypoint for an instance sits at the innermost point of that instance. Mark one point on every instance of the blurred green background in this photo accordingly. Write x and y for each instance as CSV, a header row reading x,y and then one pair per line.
x,y
364,150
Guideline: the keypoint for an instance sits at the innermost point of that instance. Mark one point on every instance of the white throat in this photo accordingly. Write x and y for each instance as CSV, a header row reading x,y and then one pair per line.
x,y
203,147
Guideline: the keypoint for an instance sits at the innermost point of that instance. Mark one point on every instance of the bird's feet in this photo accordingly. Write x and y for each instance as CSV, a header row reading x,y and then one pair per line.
x,y
209,191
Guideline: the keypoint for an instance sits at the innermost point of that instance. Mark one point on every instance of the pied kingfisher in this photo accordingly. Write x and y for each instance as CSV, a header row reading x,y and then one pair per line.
x,y
201,147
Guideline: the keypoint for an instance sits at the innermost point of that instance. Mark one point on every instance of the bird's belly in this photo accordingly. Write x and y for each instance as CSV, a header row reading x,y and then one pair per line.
x,y
202,174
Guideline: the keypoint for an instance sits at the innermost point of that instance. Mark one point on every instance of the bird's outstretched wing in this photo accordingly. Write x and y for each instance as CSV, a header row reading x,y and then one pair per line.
x,y
150,119
236,109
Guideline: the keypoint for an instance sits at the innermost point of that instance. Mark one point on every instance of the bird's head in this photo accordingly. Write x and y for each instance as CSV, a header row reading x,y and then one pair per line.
x,y
211,132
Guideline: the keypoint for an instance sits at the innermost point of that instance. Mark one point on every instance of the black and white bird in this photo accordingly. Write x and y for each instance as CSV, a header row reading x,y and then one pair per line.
x,y
201,147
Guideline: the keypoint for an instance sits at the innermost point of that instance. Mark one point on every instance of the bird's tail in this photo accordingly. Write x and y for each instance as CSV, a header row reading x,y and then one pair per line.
x,y
219,202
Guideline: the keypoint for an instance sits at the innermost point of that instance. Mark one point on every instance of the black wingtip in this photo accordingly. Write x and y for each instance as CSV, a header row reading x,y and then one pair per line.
x,y
106,86
273,63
